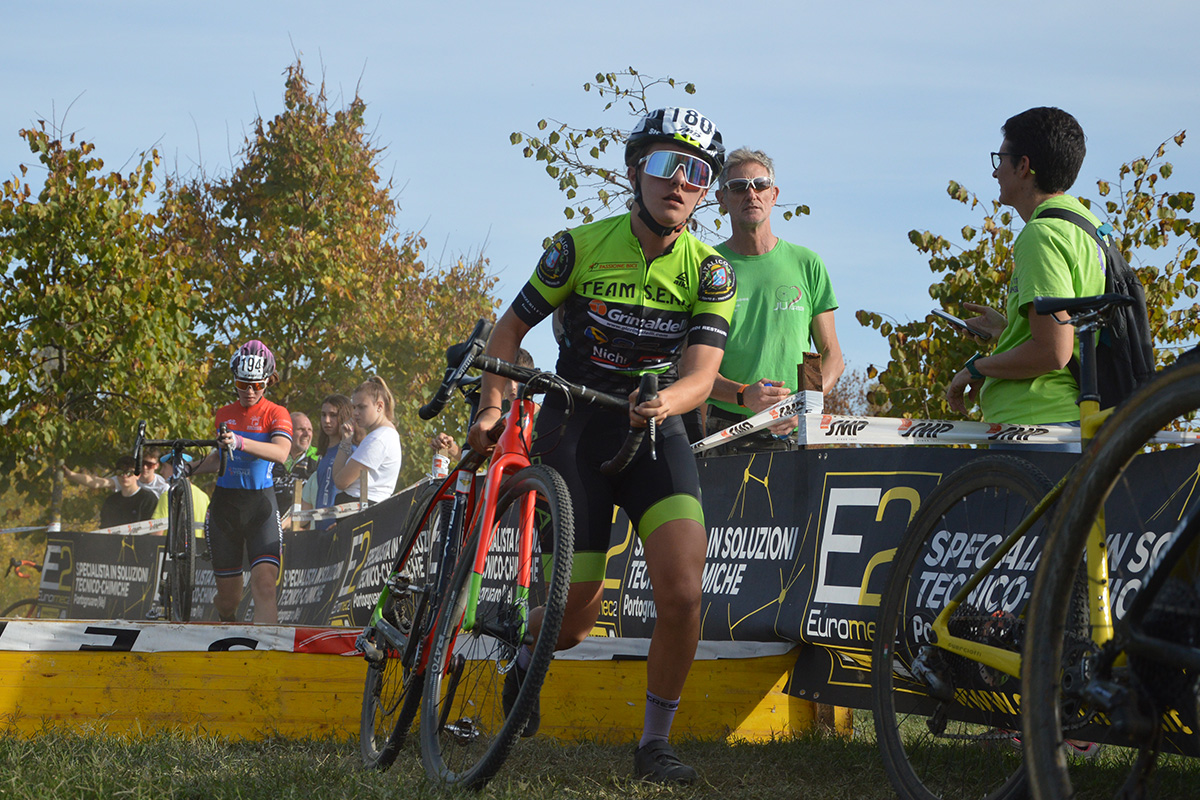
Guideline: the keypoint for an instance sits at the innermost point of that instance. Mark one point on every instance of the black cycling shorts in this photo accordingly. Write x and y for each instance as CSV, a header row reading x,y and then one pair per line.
x,y
242,521
651,491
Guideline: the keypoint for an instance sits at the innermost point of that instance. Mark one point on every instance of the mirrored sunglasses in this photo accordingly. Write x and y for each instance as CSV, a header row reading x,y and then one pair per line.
x,y
739,185
665,163
127,473
257,386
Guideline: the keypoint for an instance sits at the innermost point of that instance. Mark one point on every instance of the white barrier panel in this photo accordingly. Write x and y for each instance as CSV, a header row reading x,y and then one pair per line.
x,y
160,637
834,429
330,512
157,637
137,528
807,402
817,428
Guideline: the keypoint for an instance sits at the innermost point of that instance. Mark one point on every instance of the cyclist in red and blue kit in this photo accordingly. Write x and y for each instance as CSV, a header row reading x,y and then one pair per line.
x,y
243,517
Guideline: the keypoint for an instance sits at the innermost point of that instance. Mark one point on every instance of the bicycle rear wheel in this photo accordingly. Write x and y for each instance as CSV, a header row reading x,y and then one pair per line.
x,y
465,733
945,725
181,552
392,690
1140,697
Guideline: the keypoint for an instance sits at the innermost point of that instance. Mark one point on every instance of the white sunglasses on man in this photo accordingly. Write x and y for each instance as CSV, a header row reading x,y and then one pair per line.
x,y
739,185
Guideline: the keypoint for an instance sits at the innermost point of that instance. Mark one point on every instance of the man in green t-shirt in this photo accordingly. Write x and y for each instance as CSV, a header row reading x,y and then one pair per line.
x,y
784,307
1025,379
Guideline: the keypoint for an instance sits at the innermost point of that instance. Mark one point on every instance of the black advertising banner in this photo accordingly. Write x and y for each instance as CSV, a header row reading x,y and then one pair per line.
x,y
330,577
800,546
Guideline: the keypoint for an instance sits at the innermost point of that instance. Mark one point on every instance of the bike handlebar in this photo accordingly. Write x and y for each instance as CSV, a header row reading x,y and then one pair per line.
x,y
648,390
469,354
179,445
459,358
17,563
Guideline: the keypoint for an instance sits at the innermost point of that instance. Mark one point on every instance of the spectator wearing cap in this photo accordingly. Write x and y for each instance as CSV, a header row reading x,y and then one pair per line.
x,y
131,502
148,476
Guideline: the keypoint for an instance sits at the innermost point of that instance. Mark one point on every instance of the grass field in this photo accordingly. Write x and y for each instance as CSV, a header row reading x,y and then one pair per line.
x,y
197,767
186,766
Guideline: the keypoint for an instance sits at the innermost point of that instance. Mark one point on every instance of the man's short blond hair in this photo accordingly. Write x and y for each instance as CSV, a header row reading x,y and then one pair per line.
x,y
744,155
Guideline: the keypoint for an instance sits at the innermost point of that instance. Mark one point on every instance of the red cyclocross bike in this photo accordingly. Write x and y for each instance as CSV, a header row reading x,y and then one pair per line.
x,y
449,622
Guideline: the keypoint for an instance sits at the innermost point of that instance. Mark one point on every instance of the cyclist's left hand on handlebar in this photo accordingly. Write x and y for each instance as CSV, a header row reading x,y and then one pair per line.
x,y
657,409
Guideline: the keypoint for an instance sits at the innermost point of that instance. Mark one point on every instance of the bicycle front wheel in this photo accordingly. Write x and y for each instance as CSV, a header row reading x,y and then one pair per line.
x,y
181,551
1145,699
392,690
946,725
465,732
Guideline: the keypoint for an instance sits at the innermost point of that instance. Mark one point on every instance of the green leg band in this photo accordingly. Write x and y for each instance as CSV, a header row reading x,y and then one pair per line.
x,y
669,509
584,566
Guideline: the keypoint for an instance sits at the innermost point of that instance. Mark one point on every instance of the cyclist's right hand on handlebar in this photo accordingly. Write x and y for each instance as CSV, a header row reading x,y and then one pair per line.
x,y
229,440
484,431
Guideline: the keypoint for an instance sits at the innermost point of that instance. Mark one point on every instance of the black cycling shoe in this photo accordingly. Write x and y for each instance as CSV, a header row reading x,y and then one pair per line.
x,y
508,697
656,762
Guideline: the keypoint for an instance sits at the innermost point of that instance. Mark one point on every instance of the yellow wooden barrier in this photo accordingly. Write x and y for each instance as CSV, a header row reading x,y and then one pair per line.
x,y
251,694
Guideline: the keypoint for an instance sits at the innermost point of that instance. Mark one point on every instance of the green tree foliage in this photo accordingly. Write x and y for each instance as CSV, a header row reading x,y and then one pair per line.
x,y
1149,222
575,157
95,315
298,247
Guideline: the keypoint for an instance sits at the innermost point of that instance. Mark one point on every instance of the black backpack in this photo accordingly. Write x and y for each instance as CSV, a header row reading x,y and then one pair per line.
x,y
1125,349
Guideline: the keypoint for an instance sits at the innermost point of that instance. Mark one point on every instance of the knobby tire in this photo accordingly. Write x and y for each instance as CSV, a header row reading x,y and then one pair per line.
x,y
392,690
917,735
181,547
1104,482
465,735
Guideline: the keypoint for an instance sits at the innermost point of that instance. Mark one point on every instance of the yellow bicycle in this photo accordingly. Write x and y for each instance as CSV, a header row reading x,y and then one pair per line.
x,y
946,663
1133,681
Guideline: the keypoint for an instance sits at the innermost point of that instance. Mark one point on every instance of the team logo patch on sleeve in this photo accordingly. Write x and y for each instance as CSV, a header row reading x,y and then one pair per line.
x,y
717,282
555,265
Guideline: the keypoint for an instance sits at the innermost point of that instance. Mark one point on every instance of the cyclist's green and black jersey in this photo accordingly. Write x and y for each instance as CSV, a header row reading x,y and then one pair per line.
x,y
621,316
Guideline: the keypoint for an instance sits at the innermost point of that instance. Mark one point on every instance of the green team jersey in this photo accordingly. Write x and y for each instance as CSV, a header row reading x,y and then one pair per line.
x,y
622,316
1051,258
779,293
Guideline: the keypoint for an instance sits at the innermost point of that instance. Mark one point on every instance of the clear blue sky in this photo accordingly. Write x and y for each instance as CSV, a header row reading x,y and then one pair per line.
x,y
870,108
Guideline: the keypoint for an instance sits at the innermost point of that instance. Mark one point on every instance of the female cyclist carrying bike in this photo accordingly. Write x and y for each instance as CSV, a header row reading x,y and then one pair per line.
x,y
639,294
242,514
